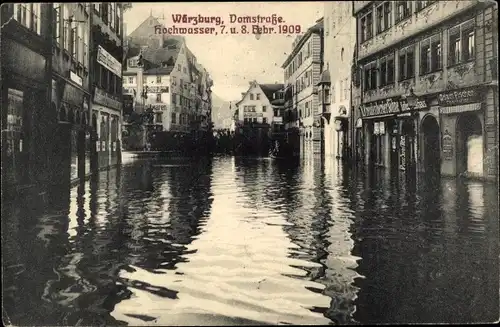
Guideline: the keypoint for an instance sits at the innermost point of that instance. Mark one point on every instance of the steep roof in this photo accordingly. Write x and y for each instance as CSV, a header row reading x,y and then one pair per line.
x,y
159,71
269,89
158,56
145,24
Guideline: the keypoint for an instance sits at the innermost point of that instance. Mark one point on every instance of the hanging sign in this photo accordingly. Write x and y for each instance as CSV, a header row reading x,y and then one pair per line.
x,y
447,146
108,61
460,97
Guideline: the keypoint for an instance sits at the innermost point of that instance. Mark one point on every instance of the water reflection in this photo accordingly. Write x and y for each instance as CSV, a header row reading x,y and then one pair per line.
x,y
252,241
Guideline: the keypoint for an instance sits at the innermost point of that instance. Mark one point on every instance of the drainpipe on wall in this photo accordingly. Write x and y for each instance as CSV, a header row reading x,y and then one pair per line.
x,y
321,121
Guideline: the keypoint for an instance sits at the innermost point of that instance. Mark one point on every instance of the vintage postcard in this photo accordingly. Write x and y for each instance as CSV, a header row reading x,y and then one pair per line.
x,y
250,163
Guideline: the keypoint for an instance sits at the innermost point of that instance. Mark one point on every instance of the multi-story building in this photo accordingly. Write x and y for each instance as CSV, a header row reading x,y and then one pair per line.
x,y
335,83
27,117
71,87
166,79
254,117
106,55
302,70
428,90
255,105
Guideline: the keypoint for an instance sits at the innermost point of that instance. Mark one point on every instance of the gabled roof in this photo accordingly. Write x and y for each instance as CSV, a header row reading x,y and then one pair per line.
x,y
159,71
269,90
159,56
145,23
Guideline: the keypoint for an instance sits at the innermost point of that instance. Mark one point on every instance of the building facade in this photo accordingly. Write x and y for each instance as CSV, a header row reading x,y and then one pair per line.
x,y
254,117
27,117
302,70
106,55
335,94
165,79
70,85
427,86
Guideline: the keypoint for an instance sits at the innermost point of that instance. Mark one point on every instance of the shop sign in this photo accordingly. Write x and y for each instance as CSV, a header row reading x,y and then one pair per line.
x,y
459,97
162,107
103,98
108,61
447,146
75,78
389,106
72,95
157,89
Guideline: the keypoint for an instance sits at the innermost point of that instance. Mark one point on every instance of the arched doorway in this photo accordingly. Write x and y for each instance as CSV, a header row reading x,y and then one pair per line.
x,y
431,144
469,153
62,114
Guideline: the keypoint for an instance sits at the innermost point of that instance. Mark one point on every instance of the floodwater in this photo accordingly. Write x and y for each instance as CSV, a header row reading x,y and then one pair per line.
x,y
237,241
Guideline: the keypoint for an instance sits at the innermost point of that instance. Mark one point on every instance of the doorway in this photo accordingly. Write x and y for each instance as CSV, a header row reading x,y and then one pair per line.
x,y
431,145
407,145
469,145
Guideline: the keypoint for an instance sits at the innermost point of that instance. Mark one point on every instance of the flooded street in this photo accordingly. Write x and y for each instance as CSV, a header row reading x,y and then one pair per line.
x,y
239,241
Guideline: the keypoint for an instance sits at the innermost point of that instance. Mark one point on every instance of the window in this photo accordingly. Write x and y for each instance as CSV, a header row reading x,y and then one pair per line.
x,y
174,118
118,21
178,67
462,43
407,63
112,17
131,80
386,70
422,4
132,63
97,7
264,108
430,54
105,12
74,40
57,23
28,15
370,76
251,96
264,120
159,118
326,96
158,79
384,16
367,27
306,109
403,10
158,97
258,96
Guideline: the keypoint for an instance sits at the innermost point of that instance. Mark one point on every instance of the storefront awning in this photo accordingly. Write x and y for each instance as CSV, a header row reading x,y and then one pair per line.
x,y
462,108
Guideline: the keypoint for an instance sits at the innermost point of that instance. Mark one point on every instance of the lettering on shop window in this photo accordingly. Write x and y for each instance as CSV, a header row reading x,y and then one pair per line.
x,y
460,97
447,146
390,106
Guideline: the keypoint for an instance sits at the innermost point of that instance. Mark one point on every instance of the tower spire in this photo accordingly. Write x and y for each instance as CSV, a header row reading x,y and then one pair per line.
x,y
150,12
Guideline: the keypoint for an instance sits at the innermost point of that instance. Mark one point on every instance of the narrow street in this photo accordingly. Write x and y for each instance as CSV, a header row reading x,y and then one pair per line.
x,y
252,241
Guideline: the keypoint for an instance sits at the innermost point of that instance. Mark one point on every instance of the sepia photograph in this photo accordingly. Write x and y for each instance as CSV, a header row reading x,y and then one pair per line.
x,y
250,163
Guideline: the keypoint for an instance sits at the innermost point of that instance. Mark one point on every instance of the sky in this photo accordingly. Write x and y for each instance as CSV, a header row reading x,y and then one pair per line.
x,y
234,60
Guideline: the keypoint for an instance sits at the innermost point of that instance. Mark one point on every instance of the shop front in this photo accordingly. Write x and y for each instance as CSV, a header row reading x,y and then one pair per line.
x,y
107,111
463,142
24,115
71,104
389,133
